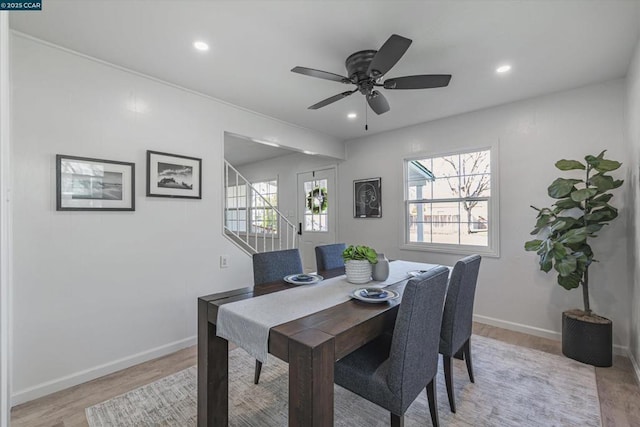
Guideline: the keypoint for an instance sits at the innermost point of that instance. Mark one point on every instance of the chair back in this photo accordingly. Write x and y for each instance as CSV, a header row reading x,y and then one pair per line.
x,y
457,320
272,266
413,358
329,257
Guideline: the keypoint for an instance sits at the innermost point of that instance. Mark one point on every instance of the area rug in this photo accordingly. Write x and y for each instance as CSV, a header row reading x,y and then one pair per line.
x,y
515,386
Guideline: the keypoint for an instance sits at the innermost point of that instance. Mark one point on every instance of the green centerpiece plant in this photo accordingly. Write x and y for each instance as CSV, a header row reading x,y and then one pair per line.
x,y
358,260
360,252
563,232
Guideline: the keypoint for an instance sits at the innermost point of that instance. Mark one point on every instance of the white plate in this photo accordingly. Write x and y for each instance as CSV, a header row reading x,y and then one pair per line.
x,y
365,294
293,279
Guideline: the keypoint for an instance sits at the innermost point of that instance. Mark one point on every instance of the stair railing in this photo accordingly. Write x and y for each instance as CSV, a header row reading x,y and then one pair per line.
x,y
239,208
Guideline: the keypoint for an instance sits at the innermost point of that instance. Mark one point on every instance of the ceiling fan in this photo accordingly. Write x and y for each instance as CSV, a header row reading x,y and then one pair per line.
x,y
366,69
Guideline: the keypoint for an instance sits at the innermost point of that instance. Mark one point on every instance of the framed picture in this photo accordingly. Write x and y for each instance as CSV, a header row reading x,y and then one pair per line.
x,y
84,184
367,198
172,175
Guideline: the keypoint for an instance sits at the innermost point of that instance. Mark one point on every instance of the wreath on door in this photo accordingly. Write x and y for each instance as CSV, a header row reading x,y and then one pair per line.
x,y
317,200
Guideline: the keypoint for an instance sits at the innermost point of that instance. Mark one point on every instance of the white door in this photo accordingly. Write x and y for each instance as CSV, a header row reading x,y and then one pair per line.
x,y
316,213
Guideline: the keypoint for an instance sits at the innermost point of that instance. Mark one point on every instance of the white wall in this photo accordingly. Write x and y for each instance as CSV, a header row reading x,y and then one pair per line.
x,y
286,168
530,136
633,128
95,292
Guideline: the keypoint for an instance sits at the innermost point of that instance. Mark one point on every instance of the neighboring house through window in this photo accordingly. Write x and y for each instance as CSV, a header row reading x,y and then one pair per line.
x,y
450,203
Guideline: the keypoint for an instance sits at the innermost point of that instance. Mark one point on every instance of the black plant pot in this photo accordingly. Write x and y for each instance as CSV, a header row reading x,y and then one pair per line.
x,y
587,341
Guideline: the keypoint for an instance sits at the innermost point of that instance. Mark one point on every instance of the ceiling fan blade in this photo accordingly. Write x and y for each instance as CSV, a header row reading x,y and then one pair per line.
x,y
321,74
388,55
424,81
331,100
378,102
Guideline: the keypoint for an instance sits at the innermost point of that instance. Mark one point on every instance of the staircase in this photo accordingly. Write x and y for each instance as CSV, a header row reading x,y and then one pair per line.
x,y
250,220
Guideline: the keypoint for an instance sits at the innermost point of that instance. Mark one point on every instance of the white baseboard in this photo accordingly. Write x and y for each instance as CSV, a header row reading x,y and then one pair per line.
x,y
538,332
518,327
62,383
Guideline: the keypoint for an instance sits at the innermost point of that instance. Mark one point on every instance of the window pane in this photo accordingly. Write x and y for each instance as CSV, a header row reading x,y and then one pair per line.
x,y
420,222
236,220
476,238
446,188
476,185
420,190
446,166
475,227
445,221
475,212
476,162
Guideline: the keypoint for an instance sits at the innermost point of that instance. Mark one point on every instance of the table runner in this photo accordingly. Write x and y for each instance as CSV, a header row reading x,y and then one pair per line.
x,y
247,323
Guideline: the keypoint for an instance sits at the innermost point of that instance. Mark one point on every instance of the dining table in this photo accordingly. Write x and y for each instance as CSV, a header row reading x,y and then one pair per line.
x,y
310,344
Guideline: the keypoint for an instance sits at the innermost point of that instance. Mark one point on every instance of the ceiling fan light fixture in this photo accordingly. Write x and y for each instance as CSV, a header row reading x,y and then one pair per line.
x,y
503,69
366,70
352,116
201,46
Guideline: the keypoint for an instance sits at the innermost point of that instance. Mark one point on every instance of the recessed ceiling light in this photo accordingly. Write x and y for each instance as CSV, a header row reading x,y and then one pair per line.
x,y
352,115
311,153
200,45
503,69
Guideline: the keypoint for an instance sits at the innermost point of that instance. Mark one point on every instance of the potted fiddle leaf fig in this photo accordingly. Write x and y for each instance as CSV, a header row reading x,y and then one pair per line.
x,y
563,232
358,260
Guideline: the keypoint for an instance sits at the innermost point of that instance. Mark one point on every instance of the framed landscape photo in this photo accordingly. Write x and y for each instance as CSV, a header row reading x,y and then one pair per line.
x,y
84,184
172,175
367,198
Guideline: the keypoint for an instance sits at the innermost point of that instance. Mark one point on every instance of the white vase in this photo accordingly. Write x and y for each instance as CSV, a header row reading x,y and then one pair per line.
x,y
380,270
358,271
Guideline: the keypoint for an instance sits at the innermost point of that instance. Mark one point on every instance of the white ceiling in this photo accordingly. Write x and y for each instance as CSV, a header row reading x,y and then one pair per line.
x,y
552,45
239,151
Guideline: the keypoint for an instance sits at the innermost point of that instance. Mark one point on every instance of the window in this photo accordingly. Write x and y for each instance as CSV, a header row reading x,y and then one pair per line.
x,y
261,205
450,203
264,218
316,214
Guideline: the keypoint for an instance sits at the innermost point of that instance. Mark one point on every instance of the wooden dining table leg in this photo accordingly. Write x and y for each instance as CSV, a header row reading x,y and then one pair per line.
x,y
213,373
311,359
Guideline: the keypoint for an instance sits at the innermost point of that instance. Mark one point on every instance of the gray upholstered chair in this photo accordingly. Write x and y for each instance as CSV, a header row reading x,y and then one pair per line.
x,y
329,257
273,266
457,320
392,370
270,267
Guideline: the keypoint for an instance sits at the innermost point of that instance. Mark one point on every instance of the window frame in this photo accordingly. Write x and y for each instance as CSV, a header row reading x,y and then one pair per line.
x,y
493,205
249,209
253,209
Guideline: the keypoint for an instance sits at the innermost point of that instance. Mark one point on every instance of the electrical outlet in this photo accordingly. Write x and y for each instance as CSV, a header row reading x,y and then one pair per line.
x,y
224,261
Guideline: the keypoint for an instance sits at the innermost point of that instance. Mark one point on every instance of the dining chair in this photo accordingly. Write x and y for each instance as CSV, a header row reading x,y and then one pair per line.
x,y
270,267
392,370
329,257
457,320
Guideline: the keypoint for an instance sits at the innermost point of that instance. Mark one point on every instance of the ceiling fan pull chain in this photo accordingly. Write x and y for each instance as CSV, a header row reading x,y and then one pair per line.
x,y
366,115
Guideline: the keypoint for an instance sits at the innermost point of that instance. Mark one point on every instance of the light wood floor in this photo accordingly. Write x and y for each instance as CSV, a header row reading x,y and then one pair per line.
x,y
617,386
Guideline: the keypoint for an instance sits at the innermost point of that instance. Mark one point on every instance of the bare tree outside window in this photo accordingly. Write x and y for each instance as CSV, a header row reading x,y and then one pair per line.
x,y
448,199
473,170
